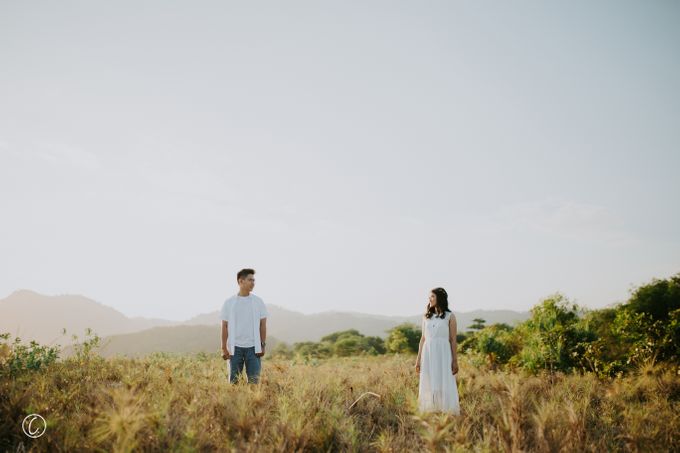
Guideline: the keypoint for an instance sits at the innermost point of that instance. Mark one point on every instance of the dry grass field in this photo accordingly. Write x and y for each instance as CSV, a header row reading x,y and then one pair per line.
x,y
185,403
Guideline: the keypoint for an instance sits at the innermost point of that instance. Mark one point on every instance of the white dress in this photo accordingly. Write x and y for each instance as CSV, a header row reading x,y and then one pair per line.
x,y
437,390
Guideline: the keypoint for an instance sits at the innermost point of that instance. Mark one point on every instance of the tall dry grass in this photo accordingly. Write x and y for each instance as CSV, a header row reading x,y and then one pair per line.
x,y
163,403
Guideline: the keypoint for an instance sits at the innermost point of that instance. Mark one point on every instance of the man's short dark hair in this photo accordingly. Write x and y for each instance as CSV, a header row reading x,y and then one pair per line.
x,y
243,273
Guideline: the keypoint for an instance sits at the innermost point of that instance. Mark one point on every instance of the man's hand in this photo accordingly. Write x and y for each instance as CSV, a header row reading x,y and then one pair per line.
x,y
225,354
454,367
260,354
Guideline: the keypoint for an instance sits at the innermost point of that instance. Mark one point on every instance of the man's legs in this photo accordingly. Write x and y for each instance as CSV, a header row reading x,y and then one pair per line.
x,y
236,364
253,365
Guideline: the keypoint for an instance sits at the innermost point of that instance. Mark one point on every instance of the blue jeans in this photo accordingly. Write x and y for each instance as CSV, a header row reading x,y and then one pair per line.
x,y
247,357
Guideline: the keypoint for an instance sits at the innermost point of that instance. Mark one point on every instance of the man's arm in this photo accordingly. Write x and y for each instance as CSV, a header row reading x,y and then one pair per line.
x,y
263,332
263,325
225,336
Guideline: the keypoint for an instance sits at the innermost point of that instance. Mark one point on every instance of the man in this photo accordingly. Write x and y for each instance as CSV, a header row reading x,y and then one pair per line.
x,y
244,329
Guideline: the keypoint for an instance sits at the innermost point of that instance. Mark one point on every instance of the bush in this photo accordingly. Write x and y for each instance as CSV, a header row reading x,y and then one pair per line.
x,y
86,349
341,344
561,336
16,357
282,351
553,337
313,349
403,338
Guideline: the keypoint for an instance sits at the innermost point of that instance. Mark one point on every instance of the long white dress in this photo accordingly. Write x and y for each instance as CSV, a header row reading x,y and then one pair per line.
x,y
437,390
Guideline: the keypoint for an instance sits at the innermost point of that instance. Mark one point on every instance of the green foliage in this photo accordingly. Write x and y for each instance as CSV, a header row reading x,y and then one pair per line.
x,y
496,343
493,345
348,346
478,324
334,337
553,336
374,345
607,354
403,338
550,339
313,349
647,339
17,357
561,336
85,349
340,344
656,299
282,351
644,330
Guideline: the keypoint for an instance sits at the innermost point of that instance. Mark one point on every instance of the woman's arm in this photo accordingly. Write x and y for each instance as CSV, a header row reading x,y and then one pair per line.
x,y
420,350
453,331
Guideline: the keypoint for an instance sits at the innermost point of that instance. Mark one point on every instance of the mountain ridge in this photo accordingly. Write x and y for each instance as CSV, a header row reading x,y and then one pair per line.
x,y
289,326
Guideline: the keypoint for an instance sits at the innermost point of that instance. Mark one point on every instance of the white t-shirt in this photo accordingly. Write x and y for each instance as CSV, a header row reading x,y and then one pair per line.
x,y
244,328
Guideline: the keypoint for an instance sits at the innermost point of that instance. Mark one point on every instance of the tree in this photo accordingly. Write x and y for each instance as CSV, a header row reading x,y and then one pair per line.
x,y
606,355
403,338
553,339
335,336
643,329
346,346
342,344
657,299
495,343
560,335
313,349
397,342
477,324
374,345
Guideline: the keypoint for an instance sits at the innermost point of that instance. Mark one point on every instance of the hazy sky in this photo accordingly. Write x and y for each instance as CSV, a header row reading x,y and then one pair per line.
x,y
356,154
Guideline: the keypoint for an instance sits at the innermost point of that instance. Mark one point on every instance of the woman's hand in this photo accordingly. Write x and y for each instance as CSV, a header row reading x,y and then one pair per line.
x,y
454,367
418,367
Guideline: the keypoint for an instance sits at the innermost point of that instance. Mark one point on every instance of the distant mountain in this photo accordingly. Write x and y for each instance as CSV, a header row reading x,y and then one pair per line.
x,y
34,316
291,326
171,339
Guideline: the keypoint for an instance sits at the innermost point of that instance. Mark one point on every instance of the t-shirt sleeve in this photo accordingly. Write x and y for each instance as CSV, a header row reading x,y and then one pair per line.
x,y
263,310
224,313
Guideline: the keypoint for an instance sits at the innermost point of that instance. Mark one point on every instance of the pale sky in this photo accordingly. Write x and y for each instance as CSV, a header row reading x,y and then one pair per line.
x,y
356,154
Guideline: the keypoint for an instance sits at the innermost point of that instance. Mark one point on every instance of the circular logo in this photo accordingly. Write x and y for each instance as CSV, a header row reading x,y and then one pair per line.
x,y
34,425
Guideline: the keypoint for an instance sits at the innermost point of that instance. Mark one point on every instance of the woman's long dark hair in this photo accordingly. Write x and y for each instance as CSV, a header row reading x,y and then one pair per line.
x,y
442,305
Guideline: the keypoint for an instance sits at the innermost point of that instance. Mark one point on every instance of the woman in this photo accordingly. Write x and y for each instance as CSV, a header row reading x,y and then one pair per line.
x,y
437,362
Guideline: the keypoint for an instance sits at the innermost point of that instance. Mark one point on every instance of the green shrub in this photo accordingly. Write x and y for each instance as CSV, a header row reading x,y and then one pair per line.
x,y
17,357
